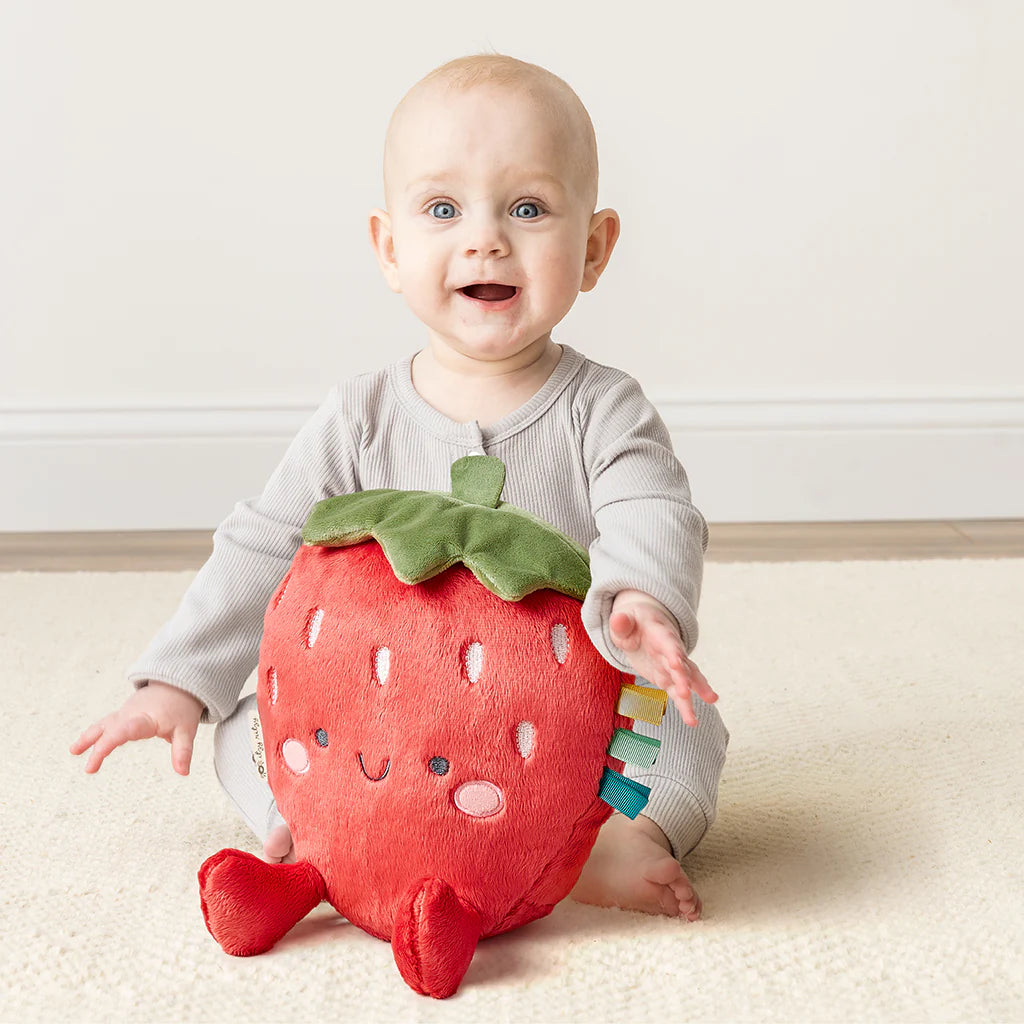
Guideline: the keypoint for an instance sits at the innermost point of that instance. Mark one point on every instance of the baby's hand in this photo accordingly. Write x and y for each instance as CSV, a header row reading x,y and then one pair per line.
x,y
646,633
156,709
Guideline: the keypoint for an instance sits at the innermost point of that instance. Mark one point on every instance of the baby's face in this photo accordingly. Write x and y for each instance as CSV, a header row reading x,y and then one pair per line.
x,y
482,189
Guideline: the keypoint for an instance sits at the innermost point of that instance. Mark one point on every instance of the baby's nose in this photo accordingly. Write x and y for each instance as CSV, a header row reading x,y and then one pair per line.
x,y
479,798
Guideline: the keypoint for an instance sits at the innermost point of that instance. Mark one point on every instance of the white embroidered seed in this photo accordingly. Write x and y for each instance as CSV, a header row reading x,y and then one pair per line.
x,y
283,590
559,642
382,664
313,627
525,733
474,658
272,679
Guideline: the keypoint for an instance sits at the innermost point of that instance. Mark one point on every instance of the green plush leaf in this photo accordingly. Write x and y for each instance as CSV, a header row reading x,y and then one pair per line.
x,y
423,533
478,479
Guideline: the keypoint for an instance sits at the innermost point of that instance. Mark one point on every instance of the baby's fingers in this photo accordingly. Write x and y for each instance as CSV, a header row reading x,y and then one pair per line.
x,y
87,739
685,680
181,749
676,686
680,694
625,631
703,688
697,680
113,735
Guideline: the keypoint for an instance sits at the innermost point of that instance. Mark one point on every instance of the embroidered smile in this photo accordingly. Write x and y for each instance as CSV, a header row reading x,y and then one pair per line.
x,y
372,778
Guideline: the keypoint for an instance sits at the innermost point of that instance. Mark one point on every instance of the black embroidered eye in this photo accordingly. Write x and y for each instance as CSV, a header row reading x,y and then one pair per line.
x,y
321,737
439,765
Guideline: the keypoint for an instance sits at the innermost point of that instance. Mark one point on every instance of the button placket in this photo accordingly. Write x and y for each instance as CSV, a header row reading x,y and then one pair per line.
x,y
477,442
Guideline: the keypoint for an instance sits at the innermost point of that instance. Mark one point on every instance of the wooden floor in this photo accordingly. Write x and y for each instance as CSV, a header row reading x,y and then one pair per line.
x,y
730,542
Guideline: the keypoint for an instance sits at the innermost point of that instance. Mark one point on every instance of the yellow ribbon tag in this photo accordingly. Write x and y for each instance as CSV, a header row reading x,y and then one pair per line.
x,y
647,703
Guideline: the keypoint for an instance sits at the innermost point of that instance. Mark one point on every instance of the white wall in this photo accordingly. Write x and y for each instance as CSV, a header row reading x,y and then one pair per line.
x,y
816,281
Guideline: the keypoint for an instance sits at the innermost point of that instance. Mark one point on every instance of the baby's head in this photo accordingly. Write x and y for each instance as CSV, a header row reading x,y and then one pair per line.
x,y
490,175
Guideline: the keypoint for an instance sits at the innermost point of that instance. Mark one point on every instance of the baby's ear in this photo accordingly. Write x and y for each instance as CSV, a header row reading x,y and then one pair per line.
x,y
604,232
383,242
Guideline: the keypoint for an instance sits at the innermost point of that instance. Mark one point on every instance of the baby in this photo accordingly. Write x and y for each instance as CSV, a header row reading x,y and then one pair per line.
x,y
490,182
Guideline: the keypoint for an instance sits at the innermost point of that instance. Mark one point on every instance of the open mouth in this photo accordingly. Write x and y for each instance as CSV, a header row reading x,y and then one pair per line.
x,y
495,297
490,292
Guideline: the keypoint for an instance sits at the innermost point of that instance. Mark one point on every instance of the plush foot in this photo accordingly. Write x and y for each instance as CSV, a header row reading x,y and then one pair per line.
x,y
248,905
631,866
277,847
434,937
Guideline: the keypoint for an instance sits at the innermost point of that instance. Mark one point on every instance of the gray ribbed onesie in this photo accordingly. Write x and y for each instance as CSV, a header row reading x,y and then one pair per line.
x,y
588,453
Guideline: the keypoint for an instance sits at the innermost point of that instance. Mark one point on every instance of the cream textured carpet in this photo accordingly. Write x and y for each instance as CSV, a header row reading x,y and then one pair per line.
x,y
866,864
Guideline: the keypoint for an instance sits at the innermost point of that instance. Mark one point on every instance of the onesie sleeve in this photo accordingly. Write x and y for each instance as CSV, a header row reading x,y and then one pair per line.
x,y
211,643
650,535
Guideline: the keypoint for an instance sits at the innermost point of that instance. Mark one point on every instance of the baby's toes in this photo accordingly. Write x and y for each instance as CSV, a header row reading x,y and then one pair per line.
x,y
676,896
689,902
663,870
668,902
678,900
277,848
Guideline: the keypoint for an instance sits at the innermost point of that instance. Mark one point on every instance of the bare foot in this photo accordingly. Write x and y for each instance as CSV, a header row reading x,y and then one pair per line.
x,y
631,866
277,847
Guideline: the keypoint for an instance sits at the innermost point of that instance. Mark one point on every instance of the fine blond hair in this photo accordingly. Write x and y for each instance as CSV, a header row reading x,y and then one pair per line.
x,y
554,95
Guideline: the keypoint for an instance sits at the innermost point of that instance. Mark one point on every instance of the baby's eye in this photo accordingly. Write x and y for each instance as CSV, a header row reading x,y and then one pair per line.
x,y
442,203
535,206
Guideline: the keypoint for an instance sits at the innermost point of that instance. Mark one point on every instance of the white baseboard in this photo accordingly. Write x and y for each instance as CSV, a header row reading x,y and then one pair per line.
x,y
848,458
777,460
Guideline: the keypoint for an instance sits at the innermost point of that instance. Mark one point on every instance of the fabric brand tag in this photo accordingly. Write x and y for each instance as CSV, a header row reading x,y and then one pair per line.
x,y
259,755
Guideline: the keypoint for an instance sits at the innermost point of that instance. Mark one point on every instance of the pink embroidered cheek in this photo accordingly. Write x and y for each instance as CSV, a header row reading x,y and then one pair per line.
x,y
295,756
479,799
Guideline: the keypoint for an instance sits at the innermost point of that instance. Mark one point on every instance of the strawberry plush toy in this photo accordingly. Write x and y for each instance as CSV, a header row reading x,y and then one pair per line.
x,y
442,737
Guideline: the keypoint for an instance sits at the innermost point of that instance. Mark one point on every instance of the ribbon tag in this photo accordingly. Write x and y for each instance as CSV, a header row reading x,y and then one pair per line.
x,y
259,754
646,703
625,795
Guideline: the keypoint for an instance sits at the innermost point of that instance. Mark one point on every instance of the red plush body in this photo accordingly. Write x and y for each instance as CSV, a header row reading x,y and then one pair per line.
x,y
437,753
